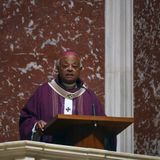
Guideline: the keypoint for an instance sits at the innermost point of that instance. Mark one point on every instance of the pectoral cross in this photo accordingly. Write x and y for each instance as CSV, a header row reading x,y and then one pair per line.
x,y
68,109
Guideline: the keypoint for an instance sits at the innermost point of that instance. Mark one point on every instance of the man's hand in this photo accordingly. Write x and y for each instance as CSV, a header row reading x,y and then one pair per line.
x,y
40,125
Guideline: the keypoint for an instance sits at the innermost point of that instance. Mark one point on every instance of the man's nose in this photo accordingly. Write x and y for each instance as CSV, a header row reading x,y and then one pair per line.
x,y
70,68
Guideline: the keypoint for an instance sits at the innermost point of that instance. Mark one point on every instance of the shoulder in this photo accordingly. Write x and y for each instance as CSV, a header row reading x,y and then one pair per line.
x,y
42,88
90,92
44,85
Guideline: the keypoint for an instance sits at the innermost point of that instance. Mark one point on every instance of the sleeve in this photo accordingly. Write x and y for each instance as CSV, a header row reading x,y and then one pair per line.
x,y
97,108
29,116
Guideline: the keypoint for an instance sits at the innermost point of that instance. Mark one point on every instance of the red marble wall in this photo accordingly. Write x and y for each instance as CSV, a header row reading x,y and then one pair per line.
x,y
147,76
32,35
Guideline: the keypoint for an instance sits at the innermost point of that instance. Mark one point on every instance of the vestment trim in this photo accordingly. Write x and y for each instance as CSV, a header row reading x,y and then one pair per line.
x,y
65,93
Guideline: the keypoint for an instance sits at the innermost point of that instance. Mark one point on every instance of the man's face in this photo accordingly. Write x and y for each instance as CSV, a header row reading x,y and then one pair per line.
x,y
69,68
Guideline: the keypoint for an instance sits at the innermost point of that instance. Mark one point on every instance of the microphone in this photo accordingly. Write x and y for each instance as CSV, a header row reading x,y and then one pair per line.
x,y
93,106
94,113
93,109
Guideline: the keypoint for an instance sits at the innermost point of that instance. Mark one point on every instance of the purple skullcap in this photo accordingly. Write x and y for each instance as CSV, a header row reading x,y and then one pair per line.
x,y
69,53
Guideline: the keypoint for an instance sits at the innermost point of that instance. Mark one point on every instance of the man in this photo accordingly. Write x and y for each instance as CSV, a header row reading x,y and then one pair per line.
x,y
64,95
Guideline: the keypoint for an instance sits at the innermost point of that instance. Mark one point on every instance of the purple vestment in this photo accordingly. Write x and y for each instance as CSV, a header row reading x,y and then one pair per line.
x,y
46,103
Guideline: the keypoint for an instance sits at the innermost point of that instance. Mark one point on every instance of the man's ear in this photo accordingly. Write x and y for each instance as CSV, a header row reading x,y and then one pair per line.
x,y
80,67
57,65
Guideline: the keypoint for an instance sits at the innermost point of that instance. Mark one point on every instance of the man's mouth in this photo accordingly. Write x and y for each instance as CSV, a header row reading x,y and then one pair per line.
x,y
69,75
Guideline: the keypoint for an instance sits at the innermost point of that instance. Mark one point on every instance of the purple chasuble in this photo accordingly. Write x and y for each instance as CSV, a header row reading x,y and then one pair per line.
x,y
46,103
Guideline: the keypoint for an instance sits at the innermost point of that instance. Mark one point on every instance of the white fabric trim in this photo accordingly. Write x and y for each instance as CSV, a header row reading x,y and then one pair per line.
x,y
68,106
65,93
33,130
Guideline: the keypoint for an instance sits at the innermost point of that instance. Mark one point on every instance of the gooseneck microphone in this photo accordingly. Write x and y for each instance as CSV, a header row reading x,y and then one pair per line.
x,y
94,113
93,109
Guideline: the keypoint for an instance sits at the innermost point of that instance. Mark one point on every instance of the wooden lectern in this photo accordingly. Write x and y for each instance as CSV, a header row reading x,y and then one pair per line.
x,y
85,131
